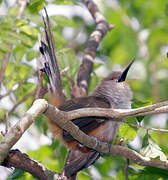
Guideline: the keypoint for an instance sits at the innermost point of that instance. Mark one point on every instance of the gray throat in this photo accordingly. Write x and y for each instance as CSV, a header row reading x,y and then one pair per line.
x,y
118,94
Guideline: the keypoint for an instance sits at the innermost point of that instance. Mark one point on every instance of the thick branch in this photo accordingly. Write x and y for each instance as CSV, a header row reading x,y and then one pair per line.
x,y
22,161
115,113
102,27
63,120
38,107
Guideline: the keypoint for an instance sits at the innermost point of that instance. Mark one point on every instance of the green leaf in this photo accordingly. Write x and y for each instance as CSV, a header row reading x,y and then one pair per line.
x,y
19,52
94,80
64,2
36,5
67,58
153,171
29,30
31,54
45,158
5,48
26,40
126,131
151,149
137,104
63,21
41,124
12,76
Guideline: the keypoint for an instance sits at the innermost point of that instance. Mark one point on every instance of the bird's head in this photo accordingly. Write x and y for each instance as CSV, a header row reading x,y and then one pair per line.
x,y
116,89
119,76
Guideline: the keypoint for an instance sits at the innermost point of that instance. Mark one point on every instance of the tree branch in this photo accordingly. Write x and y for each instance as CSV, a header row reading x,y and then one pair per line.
x,y
22,4
38,107
40,89
102,27
22,161
63,120
148,128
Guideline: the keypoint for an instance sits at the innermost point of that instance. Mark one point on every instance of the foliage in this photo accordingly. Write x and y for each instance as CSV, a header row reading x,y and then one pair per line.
x,y
141,31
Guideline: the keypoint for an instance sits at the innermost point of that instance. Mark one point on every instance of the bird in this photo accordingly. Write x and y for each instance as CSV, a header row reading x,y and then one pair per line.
x,y
112,92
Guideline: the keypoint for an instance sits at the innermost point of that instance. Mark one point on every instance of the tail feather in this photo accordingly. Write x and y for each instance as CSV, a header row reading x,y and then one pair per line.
x,y
49,64
79,161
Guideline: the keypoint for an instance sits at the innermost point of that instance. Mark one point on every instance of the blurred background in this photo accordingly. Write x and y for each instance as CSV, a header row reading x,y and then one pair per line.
x,y
141,32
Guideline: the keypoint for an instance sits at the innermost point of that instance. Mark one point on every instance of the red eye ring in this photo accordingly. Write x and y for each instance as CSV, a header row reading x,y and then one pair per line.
x,y
114,77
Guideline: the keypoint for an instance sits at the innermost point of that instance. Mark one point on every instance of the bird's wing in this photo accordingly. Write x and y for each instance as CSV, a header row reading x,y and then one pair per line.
x,y
86,124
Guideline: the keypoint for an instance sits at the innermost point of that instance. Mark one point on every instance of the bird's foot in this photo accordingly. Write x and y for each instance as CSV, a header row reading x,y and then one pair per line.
x,y
99,142
109,147
122,142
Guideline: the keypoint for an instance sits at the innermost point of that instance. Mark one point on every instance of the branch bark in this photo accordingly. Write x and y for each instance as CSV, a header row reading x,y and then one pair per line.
x,y
40,89
22,161
102,27
38,107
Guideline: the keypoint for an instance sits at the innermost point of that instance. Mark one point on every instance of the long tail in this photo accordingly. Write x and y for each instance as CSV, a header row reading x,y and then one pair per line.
x,y
49,64
78,161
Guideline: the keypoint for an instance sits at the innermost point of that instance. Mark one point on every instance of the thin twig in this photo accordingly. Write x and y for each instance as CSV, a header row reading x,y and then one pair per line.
x,y
32,93
64,71
147,128
6,125
13,90
40,89
22,4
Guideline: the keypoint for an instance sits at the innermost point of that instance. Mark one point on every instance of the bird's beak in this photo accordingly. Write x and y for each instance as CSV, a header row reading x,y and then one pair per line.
x,y
124,74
